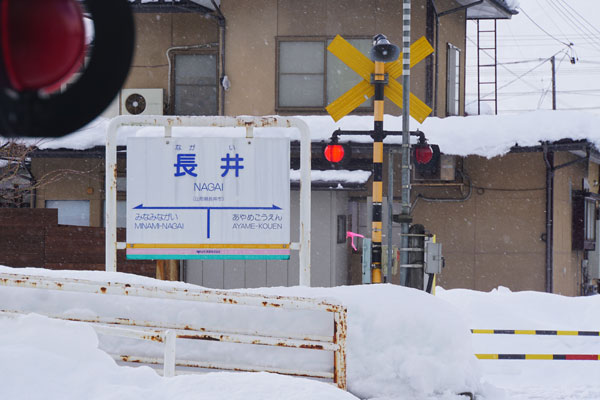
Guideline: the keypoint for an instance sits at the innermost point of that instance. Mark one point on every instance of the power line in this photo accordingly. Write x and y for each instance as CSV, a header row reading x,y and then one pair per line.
x,y
550,18
583,18
567,15
542,29
503,66
521,76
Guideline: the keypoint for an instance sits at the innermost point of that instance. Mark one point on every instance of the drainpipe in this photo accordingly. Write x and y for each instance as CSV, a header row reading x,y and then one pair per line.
x,y
549,160
438,15
222,31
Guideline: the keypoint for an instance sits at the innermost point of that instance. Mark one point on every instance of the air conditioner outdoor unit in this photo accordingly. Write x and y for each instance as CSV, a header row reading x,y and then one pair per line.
x,y
142,102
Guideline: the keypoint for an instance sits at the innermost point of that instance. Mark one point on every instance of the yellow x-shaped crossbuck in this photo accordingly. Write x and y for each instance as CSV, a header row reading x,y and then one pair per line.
x,y
364,67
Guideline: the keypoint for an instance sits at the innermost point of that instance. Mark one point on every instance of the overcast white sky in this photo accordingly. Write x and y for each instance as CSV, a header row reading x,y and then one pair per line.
x,y
523,46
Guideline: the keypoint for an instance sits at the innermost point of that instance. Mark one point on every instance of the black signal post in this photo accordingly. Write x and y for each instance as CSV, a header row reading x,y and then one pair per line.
x,y
383,51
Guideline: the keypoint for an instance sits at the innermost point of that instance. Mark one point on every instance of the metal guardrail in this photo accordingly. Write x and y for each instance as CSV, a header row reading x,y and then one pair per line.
x,y
167,332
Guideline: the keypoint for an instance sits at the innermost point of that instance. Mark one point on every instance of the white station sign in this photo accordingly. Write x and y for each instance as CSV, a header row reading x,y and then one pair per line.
x,y
208,198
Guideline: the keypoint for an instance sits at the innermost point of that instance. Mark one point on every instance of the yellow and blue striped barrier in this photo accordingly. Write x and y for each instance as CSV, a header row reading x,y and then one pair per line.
x,y
506,356
580,357
534,332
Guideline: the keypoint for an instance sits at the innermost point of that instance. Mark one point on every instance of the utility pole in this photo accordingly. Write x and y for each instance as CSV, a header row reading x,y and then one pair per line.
x,y
553,62
405,181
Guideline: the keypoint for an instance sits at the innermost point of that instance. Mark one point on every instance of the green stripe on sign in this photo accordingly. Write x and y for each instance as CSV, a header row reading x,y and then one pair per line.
x,y
208,257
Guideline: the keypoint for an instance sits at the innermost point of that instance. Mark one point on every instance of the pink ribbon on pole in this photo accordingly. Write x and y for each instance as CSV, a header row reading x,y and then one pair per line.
x,y
352,235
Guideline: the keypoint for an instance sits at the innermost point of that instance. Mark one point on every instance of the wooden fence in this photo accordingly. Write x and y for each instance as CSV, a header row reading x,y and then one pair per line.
x,y
33,238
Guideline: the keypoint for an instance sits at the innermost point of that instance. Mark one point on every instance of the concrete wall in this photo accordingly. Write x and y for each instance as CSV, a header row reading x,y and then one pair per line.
x,y
329,258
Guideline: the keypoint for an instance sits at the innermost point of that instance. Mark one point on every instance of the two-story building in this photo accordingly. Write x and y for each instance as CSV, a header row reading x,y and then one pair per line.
x,y
269,57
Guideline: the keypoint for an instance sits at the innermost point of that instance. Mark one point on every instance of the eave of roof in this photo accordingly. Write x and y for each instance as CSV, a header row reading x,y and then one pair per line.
x,y
488,9
172,6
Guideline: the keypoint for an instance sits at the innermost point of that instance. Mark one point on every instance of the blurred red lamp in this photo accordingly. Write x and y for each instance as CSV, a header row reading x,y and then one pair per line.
x,y
423,153
42,43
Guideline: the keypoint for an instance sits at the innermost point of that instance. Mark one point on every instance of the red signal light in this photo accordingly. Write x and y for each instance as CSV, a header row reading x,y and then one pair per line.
x,y
334,153
423,154
42,42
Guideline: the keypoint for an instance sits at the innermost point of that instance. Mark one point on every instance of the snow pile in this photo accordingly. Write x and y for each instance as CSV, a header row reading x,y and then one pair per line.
x,y
483,135
42,358
401,342
512,4
539,379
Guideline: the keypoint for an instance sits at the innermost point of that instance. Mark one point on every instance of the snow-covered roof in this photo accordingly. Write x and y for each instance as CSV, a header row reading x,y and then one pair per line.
x,y
342,179
204,3
490,9
483,135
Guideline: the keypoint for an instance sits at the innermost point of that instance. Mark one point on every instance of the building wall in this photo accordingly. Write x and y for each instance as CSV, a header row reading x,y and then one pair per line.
x,y
495,237
251,47
452,29
567,262
71,179
328,258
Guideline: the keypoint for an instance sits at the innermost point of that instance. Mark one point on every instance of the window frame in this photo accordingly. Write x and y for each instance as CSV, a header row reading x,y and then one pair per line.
x,y
310,109
192,52
450,103
584,219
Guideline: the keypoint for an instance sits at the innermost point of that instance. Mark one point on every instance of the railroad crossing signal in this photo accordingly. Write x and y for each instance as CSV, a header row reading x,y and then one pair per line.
x,y
364,67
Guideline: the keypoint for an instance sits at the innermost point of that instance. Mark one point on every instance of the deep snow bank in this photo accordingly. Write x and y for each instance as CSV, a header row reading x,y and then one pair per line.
x,y
401,342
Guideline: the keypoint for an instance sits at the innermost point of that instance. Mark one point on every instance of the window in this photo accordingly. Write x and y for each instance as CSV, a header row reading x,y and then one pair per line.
x,y
453,81
310,77
584,220
341,229
71,212
194,84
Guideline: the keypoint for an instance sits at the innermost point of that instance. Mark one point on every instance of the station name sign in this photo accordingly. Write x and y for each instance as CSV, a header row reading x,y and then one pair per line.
x,y
208,198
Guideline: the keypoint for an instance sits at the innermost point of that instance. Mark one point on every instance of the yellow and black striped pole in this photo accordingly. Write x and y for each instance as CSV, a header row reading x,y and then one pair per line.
x,y
379,81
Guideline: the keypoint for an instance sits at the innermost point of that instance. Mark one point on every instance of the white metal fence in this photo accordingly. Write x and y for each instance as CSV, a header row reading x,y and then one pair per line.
x,y
168,332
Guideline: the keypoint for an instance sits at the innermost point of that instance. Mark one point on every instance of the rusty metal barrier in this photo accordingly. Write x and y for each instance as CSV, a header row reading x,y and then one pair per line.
x,y
166,333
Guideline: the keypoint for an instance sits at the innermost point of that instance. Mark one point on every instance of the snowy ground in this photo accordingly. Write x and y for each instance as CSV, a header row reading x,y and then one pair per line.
x,y
402,344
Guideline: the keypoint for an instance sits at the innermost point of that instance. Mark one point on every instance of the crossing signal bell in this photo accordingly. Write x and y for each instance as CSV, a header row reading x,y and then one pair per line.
x,y
383,50
42,44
